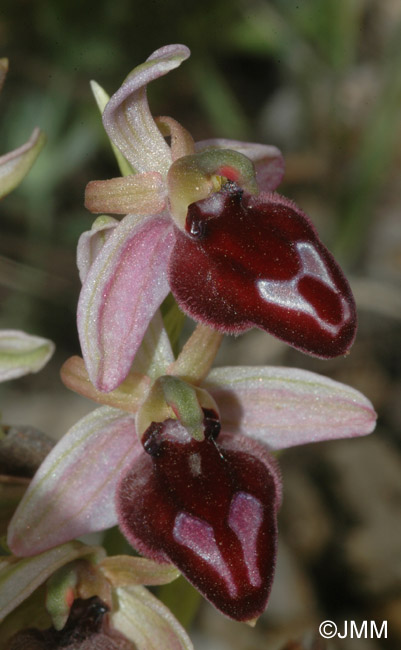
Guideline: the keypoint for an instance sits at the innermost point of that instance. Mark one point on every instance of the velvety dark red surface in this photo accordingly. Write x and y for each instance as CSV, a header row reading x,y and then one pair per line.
x,y
246,261
210,508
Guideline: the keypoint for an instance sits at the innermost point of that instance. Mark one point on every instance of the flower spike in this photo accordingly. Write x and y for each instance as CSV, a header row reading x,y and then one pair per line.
x,y
180,456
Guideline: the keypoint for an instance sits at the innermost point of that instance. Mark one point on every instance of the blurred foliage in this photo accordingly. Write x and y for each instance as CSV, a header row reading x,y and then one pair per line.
x,y
320,80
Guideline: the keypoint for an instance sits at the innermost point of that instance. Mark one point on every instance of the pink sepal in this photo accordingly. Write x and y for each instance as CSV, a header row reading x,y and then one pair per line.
x,y
284,407
73,491
125,285
128,120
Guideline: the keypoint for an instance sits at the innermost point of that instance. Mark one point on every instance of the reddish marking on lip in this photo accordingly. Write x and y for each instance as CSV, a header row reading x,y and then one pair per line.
x,y
229,172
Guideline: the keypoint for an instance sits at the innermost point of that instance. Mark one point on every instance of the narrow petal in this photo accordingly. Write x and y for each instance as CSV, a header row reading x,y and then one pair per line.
x,y
143,619
73,491
122,570
155,354
182,143
20,578
141,194
22,353
284,407
128,120
16,164
268,160
123,289
91,243
127,397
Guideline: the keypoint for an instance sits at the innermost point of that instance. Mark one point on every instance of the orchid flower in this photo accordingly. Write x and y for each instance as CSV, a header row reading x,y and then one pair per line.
x,y
203,221
91,601
16,164
153,460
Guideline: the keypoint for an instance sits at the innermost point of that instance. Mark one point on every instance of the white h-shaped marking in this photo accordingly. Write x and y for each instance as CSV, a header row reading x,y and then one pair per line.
x,y
284,292
198,536
245,519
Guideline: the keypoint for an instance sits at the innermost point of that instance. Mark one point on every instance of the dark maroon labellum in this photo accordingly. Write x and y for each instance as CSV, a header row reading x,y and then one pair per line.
x,y
85,630
210,508
257,261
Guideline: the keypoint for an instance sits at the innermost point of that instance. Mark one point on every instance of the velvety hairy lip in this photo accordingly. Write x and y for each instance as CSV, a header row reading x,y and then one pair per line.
x,y
210,508
246,262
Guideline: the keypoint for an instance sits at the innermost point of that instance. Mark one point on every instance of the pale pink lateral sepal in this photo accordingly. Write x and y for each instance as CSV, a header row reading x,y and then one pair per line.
x,y
284,407
268,160
125,285
128,120
16,164
139,194
127,397
73,491
143,619
182,143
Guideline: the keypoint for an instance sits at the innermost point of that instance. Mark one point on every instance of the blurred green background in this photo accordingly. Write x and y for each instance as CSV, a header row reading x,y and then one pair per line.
x,y
322,81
